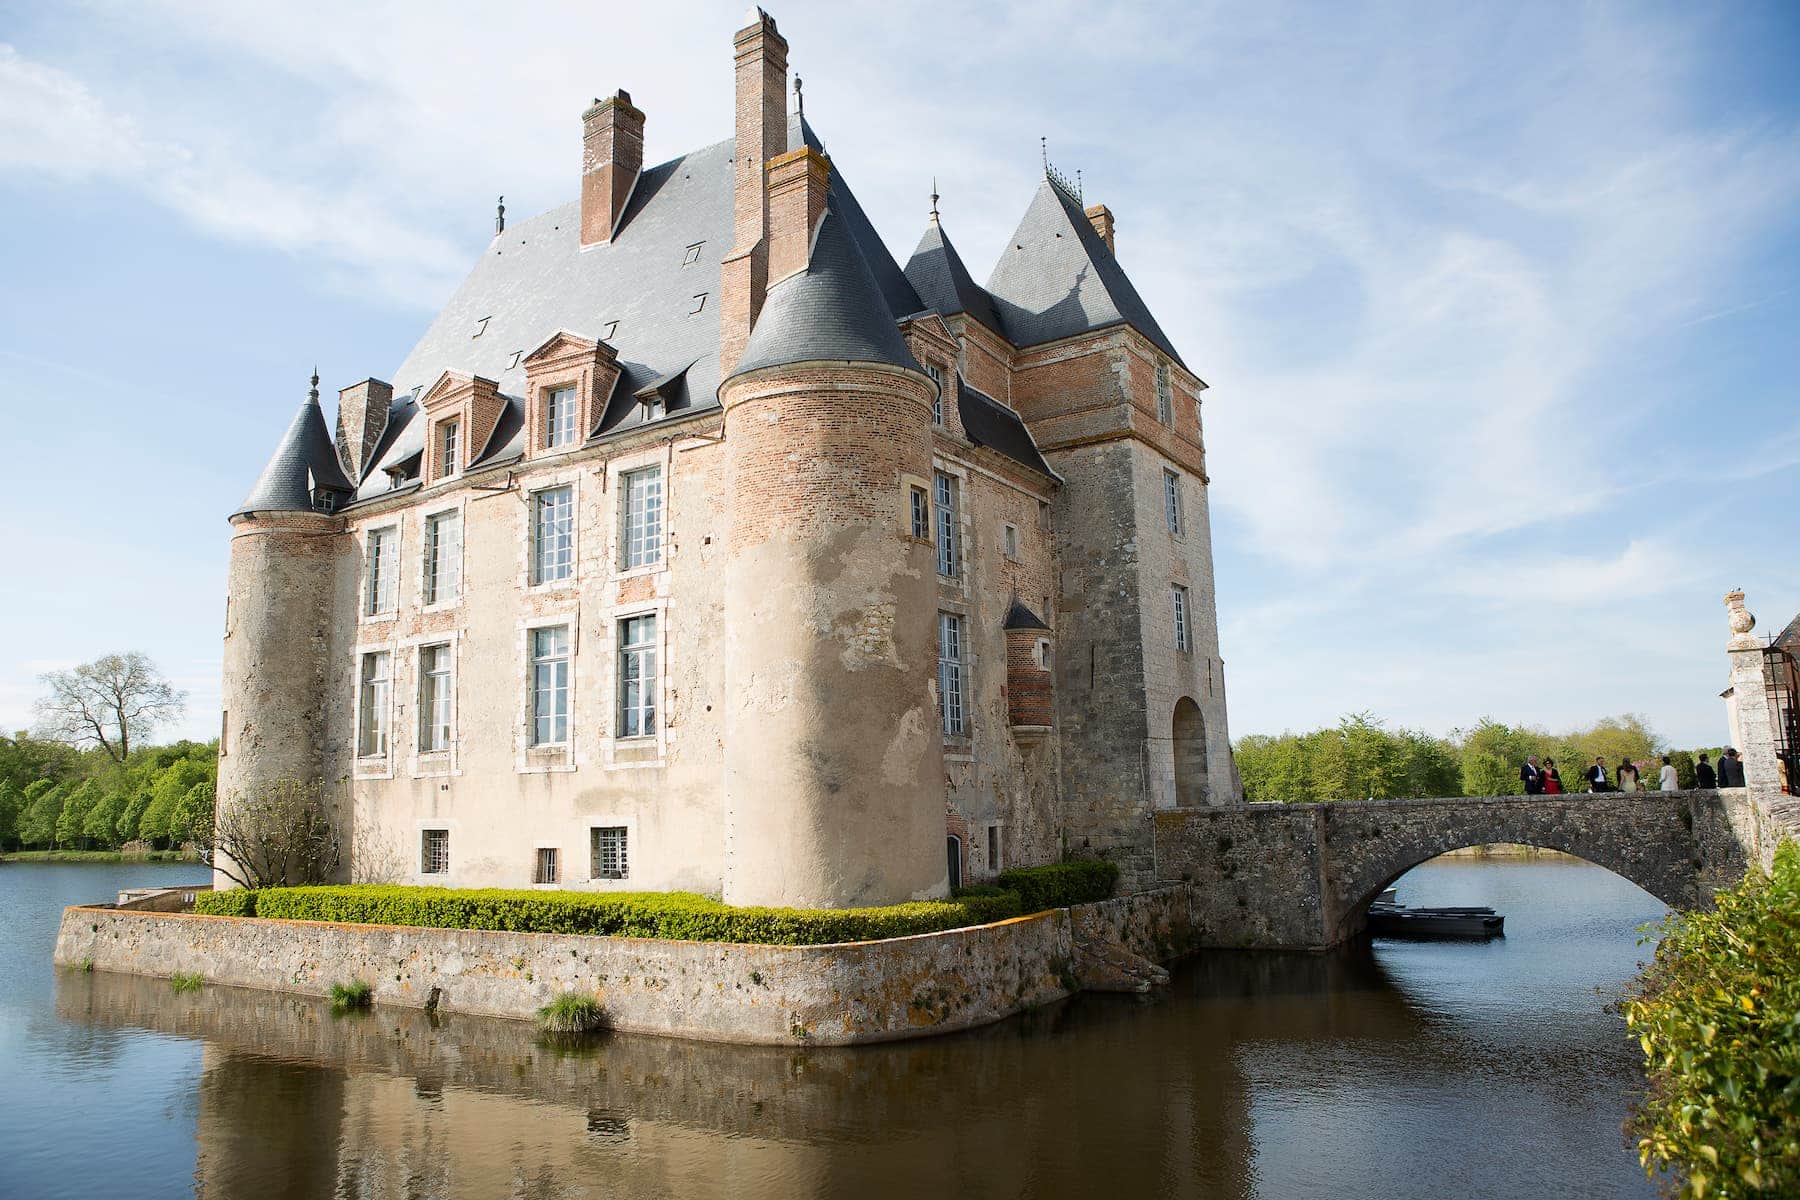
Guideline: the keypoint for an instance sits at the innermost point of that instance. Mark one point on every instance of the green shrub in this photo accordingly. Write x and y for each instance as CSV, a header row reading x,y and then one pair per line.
x,y
237,902
1718,1016
187,981
673,915
571,1014
1059,885
355,994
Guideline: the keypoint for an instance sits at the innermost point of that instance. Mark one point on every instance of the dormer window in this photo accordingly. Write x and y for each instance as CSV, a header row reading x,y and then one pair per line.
x,y
449,444
560,413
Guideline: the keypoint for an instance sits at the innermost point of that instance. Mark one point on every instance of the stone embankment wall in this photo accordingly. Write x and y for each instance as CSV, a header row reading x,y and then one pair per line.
x,y
822,995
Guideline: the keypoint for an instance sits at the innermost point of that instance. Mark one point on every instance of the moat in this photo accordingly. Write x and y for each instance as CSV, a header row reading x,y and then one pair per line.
x,y
1404,1070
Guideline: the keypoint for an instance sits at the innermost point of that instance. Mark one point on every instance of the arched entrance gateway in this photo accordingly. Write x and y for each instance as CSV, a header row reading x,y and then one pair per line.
x,y
1189,736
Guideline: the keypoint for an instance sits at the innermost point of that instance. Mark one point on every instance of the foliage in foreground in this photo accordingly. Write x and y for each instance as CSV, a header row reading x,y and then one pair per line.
x,y
1718,1016
186,981
1079,881
357,993
571,1014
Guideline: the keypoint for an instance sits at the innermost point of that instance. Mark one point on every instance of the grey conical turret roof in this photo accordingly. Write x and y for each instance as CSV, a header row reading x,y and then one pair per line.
x,y
305,460
832,311
937,273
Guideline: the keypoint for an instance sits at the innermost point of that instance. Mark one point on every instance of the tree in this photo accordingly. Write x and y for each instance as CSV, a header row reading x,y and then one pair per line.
x,y
172,783
194,817
24,760
108,702
43,805
12,805
276,835
73,817
102,821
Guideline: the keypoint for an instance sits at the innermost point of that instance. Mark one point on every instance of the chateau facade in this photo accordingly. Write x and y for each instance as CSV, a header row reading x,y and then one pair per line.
x,y
700,545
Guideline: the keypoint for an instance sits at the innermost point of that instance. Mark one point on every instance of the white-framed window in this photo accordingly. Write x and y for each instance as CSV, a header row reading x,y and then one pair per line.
x,y
921,513
1179,601
552,535
437,698
937,401
949,556
381,593
641,495
950,674
434,851
637,676
550,685
375,685
609,848
449,442
1172,501
1044,655
543,869
1009,540
1165,395
441,580
560,415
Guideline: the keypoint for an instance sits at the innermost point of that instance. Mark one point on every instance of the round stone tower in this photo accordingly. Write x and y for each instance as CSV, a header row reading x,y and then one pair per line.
x,y
288,556
834,778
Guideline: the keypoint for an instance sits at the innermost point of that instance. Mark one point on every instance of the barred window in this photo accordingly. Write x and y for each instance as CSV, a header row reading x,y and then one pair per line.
x,y
641,537
443,557
950,673
560,412
949,554
436,703
1183,638
637,676
1165,395
383,560
611,858
372,718
434,851
552,535
1172,500
550,686
921,514
544,871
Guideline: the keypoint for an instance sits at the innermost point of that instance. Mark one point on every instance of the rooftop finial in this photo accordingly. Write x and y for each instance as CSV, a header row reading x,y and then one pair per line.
x,y
500,217
313,394
934,200
1044,153
799,100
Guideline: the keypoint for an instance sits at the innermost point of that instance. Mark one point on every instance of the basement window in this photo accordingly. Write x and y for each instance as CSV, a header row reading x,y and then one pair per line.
x,y
544,871
434,852
611,852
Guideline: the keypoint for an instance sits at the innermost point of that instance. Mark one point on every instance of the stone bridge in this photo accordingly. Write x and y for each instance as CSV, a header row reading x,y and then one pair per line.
x,y
1302,875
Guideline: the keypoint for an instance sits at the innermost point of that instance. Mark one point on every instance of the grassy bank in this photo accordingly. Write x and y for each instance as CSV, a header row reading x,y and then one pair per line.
x,y
99,856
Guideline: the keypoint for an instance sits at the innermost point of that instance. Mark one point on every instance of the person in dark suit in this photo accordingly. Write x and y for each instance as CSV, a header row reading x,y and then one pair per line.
x,y
1731,768
1703,773
1596,776
1531,777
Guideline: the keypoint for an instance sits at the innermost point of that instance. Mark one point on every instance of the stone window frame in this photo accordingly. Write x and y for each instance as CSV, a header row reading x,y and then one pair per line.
x,y
631,880
1012,546
558,869
571,479
529,759
418,876
459,506
1174,504
994,847
563,360
366,611
958,747
445,763
1042,653
660,456
1181,612
936,373
373,766
912,487
638,751
1165,394
959,585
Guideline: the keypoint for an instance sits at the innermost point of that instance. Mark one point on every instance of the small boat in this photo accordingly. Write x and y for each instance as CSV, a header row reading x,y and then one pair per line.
x,y
1397,920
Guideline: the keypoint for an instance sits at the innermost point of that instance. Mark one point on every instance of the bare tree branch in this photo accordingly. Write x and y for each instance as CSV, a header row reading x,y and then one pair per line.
x,y
276,835
108,703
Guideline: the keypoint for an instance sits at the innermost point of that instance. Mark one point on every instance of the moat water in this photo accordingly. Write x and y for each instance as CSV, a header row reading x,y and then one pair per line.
x,y
1404,1070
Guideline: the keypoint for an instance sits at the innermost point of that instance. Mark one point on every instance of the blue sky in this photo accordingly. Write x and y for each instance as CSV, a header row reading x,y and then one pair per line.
x,y
1499,303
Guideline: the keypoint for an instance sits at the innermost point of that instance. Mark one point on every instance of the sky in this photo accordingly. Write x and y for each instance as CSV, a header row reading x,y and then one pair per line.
x,y
1499,305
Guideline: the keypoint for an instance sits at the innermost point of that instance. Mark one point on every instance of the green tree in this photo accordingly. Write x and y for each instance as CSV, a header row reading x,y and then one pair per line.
x,y
102,822
73,817
24,760
172,783
12,805
193,817
43,805
1492,754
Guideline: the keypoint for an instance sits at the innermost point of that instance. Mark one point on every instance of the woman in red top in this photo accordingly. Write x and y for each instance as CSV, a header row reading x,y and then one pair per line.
x,y
1552,781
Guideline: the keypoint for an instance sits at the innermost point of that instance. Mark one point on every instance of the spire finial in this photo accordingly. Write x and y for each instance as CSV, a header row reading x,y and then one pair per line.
x,y
1078,192
934,200
500,216
1044,153
799,100
313,394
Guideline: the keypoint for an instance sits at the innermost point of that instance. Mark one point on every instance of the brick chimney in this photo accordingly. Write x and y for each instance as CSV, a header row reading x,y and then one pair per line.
x,y
362,418
798,182
612,154
1102,218
761,54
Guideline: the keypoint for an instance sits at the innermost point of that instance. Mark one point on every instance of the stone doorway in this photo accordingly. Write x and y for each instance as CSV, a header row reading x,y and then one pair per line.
x,y
1190,754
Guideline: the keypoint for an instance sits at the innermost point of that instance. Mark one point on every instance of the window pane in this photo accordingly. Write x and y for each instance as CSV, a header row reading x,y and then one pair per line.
x,y
949,560
553,535
383,552
609,853
443,557
950,673
559,417
372,728
637,676
550,686
921,514
642,540
435,699
434,851
1172,500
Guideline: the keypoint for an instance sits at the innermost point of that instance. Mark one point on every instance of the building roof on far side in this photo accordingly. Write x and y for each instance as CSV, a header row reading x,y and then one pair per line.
x,y
304,461
1056,278
1021,617
937,273
987,422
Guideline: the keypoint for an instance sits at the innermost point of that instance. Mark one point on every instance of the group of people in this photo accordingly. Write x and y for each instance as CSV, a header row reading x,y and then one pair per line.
x,y
1545,780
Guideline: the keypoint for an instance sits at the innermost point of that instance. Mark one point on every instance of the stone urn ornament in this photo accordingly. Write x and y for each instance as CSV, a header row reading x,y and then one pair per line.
x,y
1741,621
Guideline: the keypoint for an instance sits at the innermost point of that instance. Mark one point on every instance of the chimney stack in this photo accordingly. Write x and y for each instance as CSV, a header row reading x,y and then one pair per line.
x,y
362,418
612,154
798,183
1102,218
761,55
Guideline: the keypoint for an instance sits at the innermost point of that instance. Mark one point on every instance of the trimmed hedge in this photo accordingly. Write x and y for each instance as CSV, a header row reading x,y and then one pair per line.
x,y
673,915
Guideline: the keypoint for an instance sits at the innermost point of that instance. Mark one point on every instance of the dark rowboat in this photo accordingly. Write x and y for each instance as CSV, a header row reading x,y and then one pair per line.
x,y
1396,920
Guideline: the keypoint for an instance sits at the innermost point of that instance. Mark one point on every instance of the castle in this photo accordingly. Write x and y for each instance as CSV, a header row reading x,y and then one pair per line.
x,y
699,545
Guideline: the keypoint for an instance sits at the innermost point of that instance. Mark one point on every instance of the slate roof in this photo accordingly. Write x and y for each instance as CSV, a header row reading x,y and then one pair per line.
x,y
305,460
1789,638
987,422
1020,617
937,273
832,311
1056,278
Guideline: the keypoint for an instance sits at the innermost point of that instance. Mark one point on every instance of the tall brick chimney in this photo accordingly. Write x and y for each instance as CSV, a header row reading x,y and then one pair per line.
x,y
1102,218
612,154
362,418
798,183
761,54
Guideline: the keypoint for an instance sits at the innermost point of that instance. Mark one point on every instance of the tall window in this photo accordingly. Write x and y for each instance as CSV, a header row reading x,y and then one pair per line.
x,y
436,703
434,851
552,535
1172,500
610,851
544,870
642,536
937,401
1009,540
372,721
1165,395
383,559
443,557
949,558
637,676
449,435
559,417
921,513
950,673
1183,635
550,686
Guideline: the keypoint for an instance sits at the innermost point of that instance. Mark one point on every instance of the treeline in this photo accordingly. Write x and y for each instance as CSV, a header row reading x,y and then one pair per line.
x,y
56,797
1361,758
